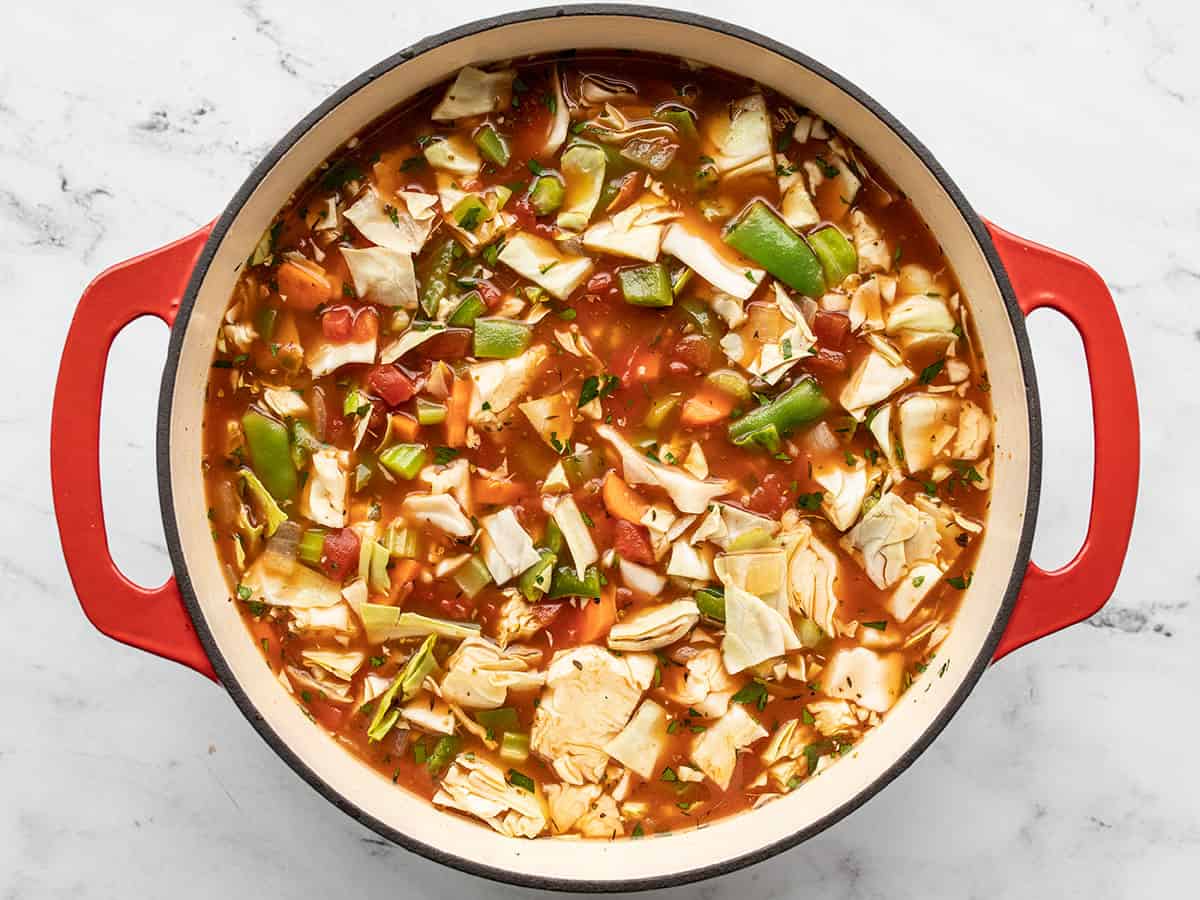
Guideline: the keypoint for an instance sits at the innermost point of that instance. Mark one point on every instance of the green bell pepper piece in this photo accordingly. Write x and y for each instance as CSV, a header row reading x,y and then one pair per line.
x,y
437,280
470,308
711,602
802,402
535,581
270,454
501,338
837,255
547,194
765,238
492,145
443,753
682,119
566,583
646,285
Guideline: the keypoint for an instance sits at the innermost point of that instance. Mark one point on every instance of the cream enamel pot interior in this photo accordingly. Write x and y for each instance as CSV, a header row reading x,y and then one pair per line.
x,y
189,283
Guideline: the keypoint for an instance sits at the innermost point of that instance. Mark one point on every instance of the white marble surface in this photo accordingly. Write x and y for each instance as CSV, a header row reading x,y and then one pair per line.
x,y
1070,772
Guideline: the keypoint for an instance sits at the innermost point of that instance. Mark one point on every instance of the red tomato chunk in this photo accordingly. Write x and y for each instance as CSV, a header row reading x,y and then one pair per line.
x,y
339,555
392,385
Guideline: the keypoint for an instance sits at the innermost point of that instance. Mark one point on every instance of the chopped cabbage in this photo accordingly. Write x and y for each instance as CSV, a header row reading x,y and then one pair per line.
x,y
402,226
499,383
507,548
699,255
438,510
738,138
480,674
690,495
339,663
875,379
758,623
476,786
575,532
389,623
455,155
589,696
891,537
540,261
654,626
869,679
812,577
325,493
383,276
715,751
643,741
475,93
279,580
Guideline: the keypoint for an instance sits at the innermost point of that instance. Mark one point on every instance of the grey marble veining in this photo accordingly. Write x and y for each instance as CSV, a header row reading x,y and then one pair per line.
x,y
1070,772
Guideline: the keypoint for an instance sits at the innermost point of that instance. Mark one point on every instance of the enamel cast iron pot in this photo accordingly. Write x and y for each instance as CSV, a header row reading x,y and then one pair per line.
x,y
191,619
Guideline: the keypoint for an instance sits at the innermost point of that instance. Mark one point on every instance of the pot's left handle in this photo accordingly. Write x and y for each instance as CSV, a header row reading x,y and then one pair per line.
x,y
151,619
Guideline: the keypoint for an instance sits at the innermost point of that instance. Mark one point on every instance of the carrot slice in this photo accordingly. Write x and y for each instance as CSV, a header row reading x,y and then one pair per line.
x,y
497,491
708,407
597,617
404,573
458,405
621,500
405,427
304,286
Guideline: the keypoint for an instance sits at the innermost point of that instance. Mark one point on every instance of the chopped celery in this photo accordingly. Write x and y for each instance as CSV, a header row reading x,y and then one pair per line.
x,y
837,255
378,579
436,284
501,338
711,602
552,540
514,747
762,236
730,382
492,145
646,285
404,460
498,721
264,504
660,409
355,403
312,546
566,583
535,581
270,454
679,117
802,402
470,212
547,194
402,542
443,753
472,576
405,685
430,412
470,308
766,437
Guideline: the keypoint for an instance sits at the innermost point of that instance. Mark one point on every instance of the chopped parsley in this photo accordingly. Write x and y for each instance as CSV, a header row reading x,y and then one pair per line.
x,y
444,455
881,625
810,502
520,780
961,582
932,371
755,692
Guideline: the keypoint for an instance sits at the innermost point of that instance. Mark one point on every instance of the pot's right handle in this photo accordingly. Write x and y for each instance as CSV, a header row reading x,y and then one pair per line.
x,y
1048,601
152,619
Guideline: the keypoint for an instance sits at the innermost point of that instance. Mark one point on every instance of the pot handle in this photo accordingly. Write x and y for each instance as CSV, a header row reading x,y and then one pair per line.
x,y
151,619
1048,601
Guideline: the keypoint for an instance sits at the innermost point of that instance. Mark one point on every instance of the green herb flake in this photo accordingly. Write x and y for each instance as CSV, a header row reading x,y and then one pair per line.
x,y
810,502
444,455
755,692
881,625
668,774
521,780
932,371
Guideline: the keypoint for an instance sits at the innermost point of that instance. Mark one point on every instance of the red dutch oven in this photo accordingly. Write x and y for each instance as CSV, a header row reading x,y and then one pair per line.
x,y
190,619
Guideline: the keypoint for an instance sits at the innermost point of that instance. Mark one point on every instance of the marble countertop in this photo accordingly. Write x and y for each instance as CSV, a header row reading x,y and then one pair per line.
x,y
1070,772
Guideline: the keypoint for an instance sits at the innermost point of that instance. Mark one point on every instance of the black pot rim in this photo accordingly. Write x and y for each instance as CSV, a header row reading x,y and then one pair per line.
x,y
167,501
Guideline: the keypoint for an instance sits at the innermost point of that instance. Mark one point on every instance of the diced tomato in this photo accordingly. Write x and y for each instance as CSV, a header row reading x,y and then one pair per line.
x,y
632,542
392,385
527,218
338,323
602,284
827,362
545,613
831,328
366,325
339,556
489,293
457,607
770,496
694,349
329,715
